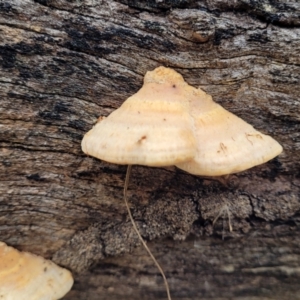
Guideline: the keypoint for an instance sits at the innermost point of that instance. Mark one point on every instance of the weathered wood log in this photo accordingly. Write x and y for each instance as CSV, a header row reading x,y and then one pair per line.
x,y
63,64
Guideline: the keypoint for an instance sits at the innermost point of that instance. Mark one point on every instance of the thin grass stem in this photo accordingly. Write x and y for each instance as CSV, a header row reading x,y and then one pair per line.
x,y
139,235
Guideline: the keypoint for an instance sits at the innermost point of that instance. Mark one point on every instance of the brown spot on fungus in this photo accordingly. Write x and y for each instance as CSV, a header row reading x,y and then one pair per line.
x,y
100,119
142,139
223,147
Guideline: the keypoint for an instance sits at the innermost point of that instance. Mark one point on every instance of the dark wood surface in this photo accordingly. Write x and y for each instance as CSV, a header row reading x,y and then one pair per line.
x,y
65,63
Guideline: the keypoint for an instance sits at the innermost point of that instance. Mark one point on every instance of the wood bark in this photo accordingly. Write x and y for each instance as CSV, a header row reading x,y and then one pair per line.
x,y
65,63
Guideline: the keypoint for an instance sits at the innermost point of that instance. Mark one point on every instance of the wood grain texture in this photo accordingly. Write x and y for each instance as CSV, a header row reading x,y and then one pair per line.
x,y
65,63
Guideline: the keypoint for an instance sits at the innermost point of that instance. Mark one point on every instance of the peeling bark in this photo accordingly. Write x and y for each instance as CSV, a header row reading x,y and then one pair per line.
x,y
65,63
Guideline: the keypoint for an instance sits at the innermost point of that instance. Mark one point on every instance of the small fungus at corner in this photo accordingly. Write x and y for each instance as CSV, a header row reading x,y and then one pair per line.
x,y
25,276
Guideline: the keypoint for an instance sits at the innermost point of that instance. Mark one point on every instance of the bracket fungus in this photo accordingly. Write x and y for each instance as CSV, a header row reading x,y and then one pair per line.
x,y
25,276
226,144
152,127
168,122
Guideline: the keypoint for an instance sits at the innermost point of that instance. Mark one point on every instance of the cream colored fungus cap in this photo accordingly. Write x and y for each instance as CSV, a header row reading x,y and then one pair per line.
x,y
25,276
168,122
225,143
153,127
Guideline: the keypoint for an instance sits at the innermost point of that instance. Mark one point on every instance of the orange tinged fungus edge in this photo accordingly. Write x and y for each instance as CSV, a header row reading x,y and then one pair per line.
x,y
225,143
25,276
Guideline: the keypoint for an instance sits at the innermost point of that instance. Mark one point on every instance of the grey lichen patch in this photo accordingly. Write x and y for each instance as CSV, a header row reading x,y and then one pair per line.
x,y
225,212
267,209
84,249
162,218
169,217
